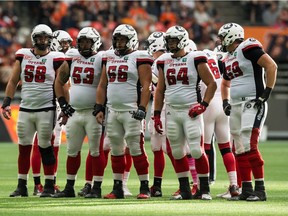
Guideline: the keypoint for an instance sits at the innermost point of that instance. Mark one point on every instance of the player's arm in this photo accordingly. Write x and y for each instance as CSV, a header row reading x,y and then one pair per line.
x,y
270,68
101,92
11,89
208,78
145,78
160,90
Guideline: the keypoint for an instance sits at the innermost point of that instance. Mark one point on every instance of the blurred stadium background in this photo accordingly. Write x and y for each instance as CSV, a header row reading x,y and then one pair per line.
x,y
267,21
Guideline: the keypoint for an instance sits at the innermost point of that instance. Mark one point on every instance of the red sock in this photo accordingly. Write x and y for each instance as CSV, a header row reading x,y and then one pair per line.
x,y
35,157
24,159
141,164
73,164
257,164
244,168
88,168
128,161
202,165
118,163
159,163
98,165
227,156
181,165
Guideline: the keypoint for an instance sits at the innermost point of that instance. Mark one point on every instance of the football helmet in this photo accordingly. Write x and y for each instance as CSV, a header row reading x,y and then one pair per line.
x,y
191,46
181,34
89,33
156,42
38,30
230,32
129,32
58,37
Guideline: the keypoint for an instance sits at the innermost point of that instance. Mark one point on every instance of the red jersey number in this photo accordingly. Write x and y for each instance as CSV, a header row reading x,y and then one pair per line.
x,y
39,75
87,78
233,70
172,76
120,74
214,68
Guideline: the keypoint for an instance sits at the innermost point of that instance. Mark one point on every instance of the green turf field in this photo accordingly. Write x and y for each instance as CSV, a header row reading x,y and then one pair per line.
x,y
275,154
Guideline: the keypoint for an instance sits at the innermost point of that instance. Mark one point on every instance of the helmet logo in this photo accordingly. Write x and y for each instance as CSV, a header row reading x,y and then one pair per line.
x,y
157,34
180,28
129,27
56,34
228,26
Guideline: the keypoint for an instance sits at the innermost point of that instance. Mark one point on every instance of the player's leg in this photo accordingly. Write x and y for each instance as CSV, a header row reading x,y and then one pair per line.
x,y
115,133
94,132
75,134
177,140
194,133
44,124
36,167
128,165
134,136
25,132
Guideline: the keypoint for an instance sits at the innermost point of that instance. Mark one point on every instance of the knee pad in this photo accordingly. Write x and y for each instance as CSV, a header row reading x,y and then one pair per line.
x,y
135,144
47,155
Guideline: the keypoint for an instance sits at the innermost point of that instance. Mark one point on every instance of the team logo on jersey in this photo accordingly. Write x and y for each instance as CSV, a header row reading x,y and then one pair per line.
x,y
184,60
92,60
126,58
169,61
248,105
44,61
235,53
27,57
110,58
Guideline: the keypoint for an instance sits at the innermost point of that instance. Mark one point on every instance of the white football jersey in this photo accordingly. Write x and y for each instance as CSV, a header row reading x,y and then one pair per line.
x,y
122,76
214,67
38,74
181,77
84,78
247,77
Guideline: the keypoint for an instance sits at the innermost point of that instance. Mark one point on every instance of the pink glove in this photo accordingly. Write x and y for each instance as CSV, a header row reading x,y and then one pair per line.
x,y
198,109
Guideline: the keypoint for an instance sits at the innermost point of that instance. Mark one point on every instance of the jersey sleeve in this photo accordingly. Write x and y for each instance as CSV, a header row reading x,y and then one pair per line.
x,y
143,58
252,49
19,55
58,60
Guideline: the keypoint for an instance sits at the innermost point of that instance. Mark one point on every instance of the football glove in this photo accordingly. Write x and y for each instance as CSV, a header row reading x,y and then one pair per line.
x,y
226,107
6,109
140,114
66,108
98,108
198,109
157,122
264,97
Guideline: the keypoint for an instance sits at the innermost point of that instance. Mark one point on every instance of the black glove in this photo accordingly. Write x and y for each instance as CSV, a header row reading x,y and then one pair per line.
x,y
226,107
6,102
98,108
264,97
66,108
140,114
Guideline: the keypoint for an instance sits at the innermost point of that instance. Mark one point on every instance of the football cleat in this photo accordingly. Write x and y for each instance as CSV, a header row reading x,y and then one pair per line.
x,y
257,196
194,189
176,193
95,193
38,189
144,195
115,194
67,192
225,195
85,190
48,191
233,190
156,191
202,196
20,192
56,188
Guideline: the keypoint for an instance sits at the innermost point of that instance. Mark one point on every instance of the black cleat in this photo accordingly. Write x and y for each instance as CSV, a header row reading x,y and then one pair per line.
x,y
67,192
85,190
95,193
20,192
156,191
257,196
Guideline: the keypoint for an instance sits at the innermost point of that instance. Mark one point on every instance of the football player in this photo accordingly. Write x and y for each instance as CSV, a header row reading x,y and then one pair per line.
x,y
36,68
83,66
156,46
245,93
125,71
178,79
61,42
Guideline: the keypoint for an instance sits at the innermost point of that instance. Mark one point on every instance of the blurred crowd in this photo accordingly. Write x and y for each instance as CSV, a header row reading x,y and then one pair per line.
x,y
200,19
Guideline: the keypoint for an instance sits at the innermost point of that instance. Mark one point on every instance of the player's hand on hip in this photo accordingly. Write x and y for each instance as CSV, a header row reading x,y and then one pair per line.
x,y
198,109
63,119
6,112
226,107
140,114
157,122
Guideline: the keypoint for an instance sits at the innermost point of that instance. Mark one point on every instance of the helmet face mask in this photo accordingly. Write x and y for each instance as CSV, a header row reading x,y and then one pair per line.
x,y
156,42
91,34
177,32
41,37
61,41
229,33
129,32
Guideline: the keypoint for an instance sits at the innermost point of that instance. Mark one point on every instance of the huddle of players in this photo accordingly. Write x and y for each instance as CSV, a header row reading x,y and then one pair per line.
x,y
120,80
